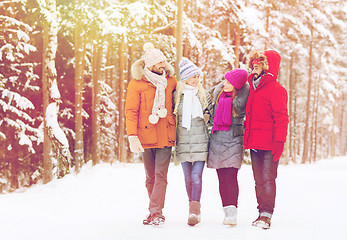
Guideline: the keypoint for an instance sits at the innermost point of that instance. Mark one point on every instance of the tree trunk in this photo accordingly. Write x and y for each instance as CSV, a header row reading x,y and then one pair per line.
x,y
316,121
237,46
60,145
267,28
121,105
296,133
343,137
108,70
288,146
98,51
333,135
47,160
79,81
179,35
14,173
294,114
308,103
290,107
130,61
313,128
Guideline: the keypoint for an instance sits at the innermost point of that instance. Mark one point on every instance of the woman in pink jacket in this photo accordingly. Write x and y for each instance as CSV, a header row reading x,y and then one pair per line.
x,y
265,129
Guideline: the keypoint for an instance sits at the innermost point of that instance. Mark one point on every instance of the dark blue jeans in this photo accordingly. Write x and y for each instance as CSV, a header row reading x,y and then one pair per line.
x,y
265,174
193,179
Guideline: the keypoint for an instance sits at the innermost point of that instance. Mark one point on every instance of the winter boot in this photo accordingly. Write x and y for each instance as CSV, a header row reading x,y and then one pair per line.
x,y
230,217
194,213
157,219
154,219
263,221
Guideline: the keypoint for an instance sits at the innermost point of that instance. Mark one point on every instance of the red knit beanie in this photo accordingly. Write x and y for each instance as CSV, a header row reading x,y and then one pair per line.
x,y
237,77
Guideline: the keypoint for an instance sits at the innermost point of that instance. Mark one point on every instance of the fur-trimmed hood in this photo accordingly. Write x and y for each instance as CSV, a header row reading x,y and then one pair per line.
x,y
262,60
138,67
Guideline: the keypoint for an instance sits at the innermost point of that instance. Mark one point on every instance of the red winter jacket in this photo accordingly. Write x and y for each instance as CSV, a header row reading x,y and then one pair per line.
x,y
266,109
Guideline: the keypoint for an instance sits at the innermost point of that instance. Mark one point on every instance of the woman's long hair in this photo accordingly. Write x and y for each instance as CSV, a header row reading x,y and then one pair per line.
x,y
234,93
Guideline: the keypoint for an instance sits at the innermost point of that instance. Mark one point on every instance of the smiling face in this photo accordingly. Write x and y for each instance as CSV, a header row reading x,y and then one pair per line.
x,y
158,68
257,70
228,87
193,81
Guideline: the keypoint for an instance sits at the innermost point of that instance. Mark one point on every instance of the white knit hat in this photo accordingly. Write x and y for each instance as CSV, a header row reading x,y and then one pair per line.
x,y
152,55
188,69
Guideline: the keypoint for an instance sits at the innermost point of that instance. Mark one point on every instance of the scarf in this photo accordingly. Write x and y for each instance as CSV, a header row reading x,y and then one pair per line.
x,y
160,82
223,116
191,106
256,82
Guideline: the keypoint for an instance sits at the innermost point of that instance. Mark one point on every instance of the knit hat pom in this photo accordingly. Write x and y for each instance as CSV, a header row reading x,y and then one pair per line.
x,y
148,46
153,119
152,55
162,112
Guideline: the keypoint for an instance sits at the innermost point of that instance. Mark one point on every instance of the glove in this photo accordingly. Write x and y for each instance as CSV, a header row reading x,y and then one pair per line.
x,y
277,150
135,144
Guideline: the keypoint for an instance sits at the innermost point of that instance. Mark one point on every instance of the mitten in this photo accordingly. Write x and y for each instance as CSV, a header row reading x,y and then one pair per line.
x,y
277,150
135,144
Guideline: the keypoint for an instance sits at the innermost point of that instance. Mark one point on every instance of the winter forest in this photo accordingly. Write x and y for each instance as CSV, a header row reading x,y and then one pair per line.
x,y
65,66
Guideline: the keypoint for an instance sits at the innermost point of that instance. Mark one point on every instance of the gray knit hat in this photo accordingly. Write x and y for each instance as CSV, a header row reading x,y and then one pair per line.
x,y
188,69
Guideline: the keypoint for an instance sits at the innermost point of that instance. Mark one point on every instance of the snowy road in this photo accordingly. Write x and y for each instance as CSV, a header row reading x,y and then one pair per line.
x,y
109,202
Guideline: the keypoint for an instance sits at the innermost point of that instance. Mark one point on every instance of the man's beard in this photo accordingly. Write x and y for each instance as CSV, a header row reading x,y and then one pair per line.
x,y
256,75
157,72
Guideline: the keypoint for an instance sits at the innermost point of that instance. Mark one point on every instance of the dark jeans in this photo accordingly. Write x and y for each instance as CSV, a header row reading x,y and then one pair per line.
x,y
228,186
156,161
193,179
265,174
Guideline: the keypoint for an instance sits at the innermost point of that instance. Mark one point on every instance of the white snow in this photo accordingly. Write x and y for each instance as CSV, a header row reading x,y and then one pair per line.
x,y
52,122
110,201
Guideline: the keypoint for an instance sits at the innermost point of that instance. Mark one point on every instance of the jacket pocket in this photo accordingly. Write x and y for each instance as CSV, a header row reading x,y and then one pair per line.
x,y
262,125
263,132
147,131
171,129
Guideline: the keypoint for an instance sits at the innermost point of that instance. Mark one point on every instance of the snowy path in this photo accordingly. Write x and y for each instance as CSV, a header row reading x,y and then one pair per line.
x,y
109,202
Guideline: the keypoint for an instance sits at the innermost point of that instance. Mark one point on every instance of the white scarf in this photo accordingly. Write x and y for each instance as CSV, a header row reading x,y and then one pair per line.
x,y
160,82
191,106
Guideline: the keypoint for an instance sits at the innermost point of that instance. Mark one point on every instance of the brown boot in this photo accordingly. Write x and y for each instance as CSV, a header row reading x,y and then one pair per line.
x,y
194,213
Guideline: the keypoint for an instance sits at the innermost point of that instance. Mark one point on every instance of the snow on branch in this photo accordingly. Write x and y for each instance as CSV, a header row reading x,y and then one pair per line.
x,y
21,102
14,21
2,136
53,125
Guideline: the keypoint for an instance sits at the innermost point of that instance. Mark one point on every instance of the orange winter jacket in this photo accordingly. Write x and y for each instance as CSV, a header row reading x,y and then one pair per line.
x,y
138,108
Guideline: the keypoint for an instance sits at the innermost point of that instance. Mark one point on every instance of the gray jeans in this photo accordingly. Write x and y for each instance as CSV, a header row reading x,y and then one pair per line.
x,y
156,161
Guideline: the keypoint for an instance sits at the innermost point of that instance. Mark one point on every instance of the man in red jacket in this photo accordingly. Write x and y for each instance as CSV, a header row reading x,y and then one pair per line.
x,y
265,129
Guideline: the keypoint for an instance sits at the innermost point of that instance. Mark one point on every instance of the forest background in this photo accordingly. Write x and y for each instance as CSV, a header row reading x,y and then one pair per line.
x,y
65,66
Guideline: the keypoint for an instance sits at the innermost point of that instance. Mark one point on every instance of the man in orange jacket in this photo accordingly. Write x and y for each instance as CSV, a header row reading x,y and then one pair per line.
x,y
150,123
265,129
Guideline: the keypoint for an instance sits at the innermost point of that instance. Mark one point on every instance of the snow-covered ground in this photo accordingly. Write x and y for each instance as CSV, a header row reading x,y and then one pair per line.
x,y
109,202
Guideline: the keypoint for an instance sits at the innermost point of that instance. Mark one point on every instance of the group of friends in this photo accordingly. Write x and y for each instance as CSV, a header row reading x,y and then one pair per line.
x,y
244,111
